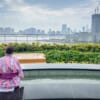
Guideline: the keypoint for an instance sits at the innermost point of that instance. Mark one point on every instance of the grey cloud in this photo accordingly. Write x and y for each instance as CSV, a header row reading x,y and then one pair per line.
x,y
58,4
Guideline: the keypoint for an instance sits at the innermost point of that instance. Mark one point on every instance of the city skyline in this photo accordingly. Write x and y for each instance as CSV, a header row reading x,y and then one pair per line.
x,y
33,30
22,14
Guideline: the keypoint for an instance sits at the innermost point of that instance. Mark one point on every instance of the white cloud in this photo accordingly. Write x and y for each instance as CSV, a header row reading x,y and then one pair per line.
x,y
1,5
14,2
36,16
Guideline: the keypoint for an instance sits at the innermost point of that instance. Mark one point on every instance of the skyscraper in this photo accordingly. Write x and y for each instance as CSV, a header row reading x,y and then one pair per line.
x,y
64,28
96,23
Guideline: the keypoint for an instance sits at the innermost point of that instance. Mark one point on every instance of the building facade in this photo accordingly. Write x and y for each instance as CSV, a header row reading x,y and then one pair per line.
x,y
96,27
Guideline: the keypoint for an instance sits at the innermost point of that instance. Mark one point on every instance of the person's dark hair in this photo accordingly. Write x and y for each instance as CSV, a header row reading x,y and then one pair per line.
x,y
9,50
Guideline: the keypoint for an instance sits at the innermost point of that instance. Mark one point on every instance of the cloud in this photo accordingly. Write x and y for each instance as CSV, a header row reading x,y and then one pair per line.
x,y
14,2
57,4
46,13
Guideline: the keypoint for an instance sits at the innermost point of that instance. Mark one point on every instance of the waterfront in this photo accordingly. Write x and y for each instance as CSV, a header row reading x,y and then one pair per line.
x,y
59,86
68,88
22,38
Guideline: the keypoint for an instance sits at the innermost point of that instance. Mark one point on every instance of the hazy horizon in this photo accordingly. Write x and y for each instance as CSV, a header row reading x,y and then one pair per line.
x,y
45,14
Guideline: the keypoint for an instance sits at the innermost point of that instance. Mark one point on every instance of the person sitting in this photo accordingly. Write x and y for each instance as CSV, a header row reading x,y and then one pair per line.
x,y
11,72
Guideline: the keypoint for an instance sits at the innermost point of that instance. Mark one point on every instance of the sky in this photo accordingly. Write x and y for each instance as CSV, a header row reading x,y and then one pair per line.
x,y
46,14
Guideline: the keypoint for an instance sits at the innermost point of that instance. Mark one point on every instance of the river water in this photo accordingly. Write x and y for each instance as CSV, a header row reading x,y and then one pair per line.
x,y
63,88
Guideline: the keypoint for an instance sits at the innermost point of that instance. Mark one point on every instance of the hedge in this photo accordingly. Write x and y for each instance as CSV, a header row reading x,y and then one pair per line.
x,y
60,53
55,56
34,47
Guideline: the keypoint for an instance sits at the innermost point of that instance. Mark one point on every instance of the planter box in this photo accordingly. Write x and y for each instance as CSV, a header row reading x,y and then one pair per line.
x,y
26,58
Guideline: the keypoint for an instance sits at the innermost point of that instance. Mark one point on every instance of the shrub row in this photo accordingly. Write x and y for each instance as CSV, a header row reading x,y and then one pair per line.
x,y
55,53
69,56
24,47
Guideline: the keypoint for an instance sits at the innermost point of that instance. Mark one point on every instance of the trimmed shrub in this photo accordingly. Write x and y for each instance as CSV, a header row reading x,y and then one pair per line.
x,y
72,56
2,53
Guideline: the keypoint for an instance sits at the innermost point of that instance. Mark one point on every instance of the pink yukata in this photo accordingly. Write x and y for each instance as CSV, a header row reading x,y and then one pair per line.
x,y
10,64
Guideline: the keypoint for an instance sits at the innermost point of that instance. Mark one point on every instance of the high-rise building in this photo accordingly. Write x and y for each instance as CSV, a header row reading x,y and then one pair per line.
x,y
96,20
64,28
96,23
